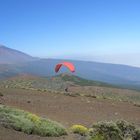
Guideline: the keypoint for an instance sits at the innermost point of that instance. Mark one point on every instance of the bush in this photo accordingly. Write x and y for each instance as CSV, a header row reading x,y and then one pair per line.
x,y
34,118
127,129
97,137
120,130
137,104
29,123
1,95
108,131
136,135
79,129
52,129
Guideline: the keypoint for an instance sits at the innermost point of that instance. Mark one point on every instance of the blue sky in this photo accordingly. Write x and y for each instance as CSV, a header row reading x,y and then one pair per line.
x,y
95,30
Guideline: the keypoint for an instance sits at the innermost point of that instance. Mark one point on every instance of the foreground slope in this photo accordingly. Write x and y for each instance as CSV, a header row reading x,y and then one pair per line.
x,y
69,110
85,103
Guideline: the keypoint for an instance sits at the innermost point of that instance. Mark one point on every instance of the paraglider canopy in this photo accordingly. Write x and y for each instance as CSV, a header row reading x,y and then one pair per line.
x,y
69,65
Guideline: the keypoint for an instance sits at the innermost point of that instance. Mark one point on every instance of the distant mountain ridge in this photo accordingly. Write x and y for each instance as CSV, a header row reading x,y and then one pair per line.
x,y
21,63
10,56
109,73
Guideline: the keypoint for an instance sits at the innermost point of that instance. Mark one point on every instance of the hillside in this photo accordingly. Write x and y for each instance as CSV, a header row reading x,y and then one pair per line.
x,y
81,81
10,56
86,102
76,86
58,82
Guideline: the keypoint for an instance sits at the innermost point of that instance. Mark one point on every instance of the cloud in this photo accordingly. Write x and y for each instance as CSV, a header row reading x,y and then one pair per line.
x,y
132,59
127,59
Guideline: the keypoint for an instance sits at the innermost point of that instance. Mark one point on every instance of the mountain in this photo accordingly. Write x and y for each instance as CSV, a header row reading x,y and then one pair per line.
x,y
10,56
126,76
110,73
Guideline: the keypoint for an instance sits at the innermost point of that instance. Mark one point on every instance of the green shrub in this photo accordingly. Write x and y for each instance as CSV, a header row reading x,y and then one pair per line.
x,y
34,118
119,130
1,94
29,123
136,135
52,129
108,130
79,129
97,137
127,129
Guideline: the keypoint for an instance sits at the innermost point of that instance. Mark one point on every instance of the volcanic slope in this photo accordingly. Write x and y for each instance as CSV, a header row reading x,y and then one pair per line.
x,y
75,86
83,103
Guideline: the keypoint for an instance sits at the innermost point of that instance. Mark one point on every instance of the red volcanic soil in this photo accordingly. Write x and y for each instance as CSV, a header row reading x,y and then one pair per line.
x,y
66,109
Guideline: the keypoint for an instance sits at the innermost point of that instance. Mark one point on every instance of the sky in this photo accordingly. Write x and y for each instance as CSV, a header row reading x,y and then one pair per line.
x,y
92,30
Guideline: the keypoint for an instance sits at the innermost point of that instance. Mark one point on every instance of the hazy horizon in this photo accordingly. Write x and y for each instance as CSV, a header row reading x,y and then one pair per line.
x,y
100,30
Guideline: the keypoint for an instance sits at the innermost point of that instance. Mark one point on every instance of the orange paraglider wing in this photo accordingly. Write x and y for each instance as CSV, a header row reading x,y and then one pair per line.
x,y
69,65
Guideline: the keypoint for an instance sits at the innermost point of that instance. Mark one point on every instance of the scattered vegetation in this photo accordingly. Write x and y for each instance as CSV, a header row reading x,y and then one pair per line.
x,y
83,82
137,104
29,123
87,88
79,129
40,84
1,95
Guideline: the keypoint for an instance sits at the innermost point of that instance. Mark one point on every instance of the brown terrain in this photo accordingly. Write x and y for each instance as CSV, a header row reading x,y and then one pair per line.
x,y
67,110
